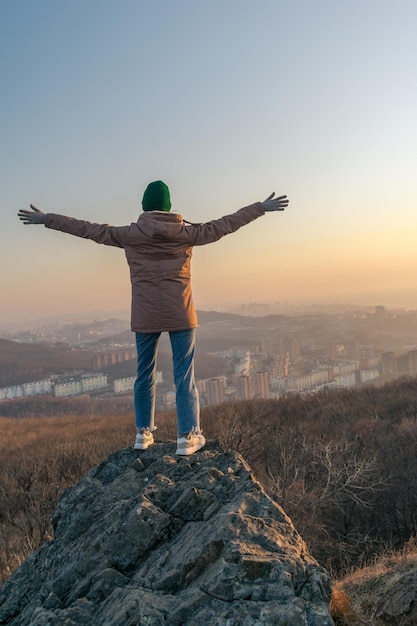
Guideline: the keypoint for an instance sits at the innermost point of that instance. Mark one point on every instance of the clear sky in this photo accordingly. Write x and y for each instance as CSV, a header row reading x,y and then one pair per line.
x,y
225,101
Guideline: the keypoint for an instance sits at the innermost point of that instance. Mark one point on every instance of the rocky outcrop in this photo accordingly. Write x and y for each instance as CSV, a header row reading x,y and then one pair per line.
x,y
397,606
152,538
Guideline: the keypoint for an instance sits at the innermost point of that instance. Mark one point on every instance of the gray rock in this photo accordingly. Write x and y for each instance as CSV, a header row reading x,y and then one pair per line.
x,y
151,538
398,605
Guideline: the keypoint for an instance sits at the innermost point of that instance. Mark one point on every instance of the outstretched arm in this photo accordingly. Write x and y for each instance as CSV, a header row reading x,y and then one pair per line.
x,y
201,234
35,216
100,233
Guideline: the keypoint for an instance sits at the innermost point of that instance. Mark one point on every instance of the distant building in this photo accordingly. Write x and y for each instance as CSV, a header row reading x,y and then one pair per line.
x,y
104,359
38,387
389,363
9,393
260,382
345,367
370,359
75,386
244,389
367,375
124,384
253,386
215,388
280,366
315,379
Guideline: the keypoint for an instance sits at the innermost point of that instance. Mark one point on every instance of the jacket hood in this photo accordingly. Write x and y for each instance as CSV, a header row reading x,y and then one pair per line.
x,y
160,225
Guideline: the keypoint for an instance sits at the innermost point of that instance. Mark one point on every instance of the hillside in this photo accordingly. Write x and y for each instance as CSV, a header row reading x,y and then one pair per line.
x,y
343,465
24,362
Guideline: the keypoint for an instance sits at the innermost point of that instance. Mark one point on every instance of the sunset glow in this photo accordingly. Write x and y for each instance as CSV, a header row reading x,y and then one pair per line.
x,y
225,102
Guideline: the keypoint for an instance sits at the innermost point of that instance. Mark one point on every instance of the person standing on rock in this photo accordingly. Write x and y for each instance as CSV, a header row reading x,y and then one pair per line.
x,y
158,249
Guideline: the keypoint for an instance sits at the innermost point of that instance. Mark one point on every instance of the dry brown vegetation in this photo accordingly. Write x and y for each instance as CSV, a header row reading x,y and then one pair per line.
x,y
342,464
356,596
39,459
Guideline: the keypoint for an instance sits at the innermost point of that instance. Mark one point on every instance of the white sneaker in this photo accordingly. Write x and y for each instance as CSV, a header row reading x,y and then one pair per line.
x,y
190,443
143,440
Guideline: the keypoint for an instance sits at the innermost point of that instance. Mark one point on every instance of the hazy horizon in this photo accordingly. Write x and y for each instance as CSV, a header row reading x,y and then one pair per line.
x,y
226,102
257,308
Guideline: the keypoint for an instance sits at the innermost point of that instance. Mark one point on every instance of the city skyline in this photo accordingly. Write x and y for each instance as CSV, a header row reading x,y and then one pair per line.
x,y
242,360
226,102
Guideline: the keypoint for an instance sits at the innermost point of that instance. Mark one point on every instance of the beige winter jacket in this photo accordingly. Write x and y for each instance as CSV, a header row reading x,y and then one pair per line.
x,y
158,249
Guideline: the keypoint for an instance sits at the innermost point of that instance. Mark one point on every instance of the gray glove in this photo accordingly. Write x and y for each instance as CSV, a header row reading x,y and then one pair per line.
x,y
35,216
275,204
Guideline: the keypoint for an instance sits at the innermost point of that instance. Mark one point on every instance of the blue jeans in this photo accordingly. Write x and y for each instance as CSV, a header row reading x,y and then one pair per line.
x,y
187,401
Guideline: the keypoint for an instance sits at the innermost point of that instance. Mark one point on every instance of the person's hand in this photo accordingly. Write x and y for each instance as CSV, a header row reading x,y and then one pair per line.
x,y
275,204
35,216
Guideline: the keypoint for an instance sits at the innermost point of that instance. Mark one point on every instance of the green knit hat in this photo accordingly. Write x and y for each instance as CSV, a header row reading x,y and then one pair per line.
x,y
156,197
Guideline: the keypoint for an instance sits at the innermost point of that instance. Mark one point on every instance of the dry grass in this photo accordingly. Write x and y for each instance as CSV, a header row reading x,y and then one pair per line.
x,y
355,597
341,608
39,458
